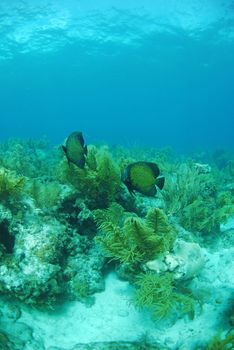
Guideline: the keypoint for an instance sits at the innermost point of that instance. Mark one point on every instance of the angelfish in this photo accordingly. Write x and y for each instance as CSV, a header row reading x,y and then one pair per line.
x,y
143,177
75,149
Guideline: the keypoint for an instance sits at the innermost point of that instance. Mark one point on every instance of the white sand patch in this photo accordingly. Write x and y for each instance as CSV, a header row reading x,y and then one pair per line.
x,y
228,225
113,317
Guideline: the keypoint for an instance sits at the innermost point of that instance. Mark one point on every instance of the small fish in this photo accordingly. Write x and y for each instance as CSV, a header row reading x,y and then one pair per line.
x,y
75,149
143,177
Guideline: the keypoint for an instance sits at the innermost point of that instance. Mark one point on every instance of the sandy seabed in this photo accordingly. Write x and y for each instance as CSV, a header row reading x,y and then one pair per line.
x,y
114,318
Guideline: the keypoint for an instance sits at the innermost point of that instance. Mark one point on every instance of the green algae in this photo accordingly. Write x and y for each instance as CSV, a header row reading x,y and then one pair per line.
x,y
158,293
30,158
222,343
98,183
196,199
207,215
11,184
45,194
133,239
80,288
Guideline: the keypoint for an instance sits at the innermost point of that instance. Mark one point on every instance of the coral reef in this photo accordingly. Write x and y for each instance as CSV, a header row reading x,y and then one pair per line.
x,y
31,271
205,216
133,240
45,194
98,183
185,261
60,225
196,199
11,185
83,269
159,294
30,158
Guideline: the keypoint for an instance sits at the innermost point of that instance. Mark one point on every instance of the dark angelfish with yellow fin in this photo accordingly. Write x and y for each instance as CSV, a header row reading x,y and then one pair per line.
x,y
143,177
75,149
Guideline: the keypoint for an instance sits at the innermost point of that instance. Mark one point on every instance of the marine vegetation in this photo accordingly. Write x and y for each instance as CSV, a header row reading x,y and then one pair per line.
x,y
222,158
159,294
45,194
183,186
193,196
80,289
11,184
130,239
98,183
30,158
207,215
222,343
61,222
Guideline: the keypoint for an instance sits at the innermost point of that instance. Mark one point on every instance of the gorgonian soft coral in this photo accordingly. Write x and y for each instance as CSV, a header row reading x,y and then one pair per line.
x,y
130,239
98,183
11,184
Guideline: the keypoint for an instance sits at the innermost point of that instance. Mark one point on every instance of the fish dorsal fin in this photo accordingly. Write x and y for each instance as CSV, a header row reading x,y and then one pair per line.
x,y
80,137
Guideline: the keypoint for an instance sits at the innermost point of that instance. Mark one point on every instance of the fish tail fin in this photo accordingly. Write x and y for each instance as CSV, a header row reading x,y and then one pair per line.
x,y
160,182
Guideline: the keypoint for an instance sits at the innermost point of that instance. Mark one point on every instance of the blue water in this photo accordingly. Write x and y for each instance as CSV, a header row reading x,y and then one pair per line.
x,y
158,73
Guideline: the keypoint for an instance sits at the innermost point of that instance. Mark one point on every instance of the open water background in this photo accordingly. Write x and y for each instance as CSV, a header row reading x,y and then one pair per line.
x,y
144,72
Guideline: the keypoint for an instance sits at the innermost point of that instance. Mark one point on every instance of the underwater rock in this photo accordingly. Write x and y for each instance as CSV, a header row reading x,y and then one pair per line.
x,y
15,332
202,168
10,311
186,261
30,272
143,204
19,331
190,259
14,336
7,240
84,270
157,265
5,343
5,214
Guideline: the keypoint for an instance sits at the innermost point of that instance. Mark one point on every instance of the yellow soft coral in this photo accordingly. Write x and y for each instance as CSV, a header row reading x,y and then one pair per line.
x,y
10,184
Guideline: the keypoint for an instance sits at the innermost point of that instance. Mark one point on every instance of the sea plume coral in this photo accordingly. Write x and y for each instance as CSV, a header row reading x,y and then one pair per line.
x,y
159,294
130,239
11,184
